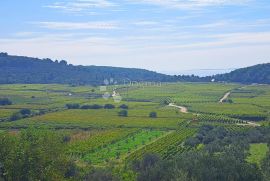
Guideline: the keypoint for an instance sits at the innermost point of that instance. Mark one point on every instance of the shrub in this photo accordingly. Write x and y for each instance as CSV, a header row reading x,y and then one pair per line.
x,y
41,112
109,106
16,116
153,115
28,156
123,113
94,106
66,139
123,106
86,107
5,101
73,106
25,112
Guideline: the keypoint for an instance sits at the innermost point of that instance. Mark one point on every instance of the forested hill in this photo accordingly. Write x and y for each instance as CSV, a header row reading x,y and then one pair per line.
x,y
18,69
254,74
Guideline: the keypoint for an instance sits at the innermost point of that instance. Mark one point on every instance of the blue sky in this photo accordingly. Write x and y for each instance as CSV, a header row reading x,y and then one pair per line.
x,y
171,36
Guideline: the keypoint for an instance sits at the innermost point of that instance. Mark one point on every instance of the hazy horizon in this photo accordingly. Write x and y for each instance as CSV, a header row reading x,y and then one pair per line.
x,y
164,36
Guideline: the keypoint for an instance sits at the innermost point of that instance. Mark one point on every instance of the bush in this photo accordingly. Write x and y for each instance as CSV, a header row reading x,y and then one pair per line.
x,y
123,113
153,115
41,112
101,175
16,116
73,106
109,106
94,106
28,156
123,106
25,112
86,107
5,101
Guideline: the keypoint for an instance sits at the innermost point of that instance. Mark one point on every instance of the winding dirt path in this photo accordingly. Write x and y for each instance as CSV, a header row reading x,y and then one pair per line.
x,y
225,97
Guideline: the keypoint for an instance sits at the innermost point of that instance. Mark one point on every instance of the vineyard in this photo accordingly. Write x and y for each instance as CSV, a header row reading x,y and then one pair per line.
x,y
95,140
167,145
100,137
120,148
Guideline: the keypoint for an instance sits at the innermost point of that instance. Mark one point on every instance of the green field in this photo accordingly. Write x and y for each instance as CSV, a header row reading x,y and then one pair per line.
x,y
100,136
257,153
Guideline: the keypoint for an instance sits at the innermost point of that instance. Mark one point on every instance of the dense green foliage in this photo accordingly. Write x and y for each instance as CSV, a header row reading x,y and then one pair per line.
x,y
222,158
153,115
255,74
5,101
17,69
123,113
33,155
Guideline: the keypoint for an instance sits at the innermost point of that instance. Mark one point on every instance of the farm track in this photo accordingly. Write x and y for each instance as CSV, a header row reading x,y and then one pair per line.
x,y
224,97
185,110
182,108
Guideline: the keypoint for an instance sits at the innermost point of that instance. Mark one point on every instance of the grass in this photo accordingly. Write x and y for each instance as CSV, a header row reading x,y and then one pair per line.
x,y
257,153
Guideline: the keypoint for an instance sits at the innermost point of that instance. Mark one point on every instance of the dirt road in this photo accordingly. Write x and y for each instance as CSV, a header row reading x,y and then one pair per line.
x,y
182,108
225,97
185,110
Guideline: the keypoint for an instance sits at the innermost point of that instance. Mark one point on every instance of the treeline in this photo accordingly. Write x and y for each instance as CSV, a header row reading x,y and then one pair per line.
x,y
19,69
254,74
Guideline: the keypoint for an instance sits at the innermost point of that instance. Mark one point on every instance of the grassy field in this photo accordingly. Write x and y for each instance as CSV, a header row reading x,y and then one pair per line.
x,y
99,136
257,153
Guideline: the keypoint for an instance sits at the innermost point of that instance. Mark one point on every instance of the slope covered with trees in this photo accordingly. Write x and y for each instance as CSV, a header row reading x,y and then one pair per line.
x,y
27,70
18,69
254,74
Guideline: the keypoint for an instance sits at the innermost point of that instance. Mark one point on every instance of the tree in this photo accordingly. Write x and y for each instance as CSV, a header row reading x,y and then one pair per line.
x,y
5,101
123,113
16,116
63,62
123,106
94,106
109,106
3,54
28,156
25,112
153,115
100,175
73,106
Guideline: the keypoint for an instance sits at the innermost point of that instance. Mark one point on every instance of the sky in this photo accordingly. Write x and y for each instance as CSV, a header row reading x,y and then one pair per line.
x,y
168,36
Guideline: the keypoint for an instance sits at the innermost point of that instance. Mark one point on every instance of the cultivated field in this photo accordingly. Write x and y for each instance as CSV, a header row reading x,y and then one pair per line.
x,y
146,123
